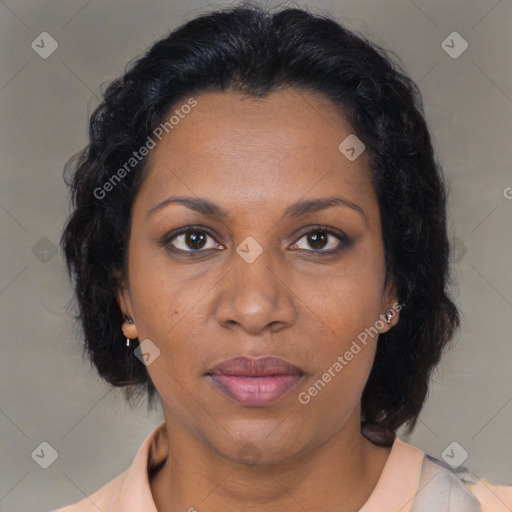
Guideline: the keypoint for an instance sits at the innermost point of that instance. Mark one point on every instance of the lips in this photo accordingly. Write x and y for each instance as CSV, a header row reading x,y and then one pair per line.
x,y
255,381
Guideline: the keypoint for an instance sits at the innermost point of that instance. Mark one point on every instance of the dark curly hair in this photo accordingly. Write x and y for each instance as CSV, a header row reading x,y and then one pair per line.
x,y
255,51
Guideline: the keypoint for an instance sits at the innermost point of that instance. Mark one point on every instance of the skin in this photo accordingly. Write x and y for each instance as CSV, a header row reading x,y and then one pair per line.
x,y
254,157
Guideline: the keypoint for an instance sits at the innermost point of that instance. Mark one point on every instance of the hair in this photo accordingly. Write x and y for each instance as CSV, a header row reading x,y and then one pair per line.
x,y
254,51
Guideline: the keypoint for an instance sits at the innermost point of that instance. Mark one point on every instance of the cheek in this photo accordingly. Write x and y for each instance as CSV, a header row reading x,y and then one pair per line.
x,y
350,301
171,315
350,308
162,295
343,364
167,311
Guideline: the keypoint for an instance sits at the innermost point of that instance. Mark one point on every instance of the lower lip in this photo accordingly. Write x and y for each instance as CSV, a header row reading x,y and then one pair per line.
x,y
255,391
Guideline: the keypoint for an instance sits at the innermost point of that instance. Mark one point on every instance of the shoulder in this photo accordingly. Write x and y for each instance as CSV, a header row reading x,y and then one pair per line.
x,y
103,499
443,489
493,497
131,489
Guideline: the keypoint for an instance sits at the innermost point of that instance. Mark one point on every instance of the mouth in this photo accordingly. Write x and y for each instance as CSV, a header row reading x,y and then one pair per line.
x,y
255,382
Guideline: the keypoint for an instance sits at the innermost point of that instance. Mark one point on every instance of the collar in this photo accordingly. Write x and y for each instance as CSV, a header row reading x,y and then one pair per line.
x,y
398,484
395,489
135,493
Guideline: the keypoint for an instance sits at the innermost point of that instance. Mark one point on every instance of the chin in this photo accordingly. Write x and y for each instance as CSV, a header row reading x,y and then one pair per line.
x,y
261,447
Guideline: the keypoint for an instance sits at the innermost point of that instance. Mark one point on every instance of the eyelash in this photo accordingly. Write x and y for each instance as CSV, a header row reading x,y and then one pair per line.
x,y
168,238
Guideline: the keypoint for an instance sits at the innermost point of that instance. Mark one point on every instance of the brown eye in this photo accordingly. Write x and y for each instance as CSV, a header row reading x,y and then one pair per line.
x,y
318,239
192,240
195,239
322,240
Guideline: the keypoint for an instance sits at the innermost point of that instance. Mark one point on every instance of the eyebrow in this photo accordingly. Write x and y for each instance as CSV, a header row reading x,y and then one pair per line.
x,y
208,208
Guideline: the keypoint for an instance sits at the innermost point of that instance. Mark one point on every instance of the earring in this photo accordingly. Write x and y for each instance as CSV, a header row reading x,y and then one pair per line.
x,y
130,321
389,316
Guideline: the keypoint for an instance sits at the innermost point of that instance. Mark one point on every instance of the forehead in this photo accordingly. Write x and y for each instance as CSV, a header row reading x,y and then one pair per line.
x,y
257,152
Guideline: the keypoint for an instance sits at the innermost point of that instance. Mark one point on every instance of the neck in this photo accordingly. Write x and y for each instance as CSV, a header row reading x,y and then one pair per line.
x,y
340,474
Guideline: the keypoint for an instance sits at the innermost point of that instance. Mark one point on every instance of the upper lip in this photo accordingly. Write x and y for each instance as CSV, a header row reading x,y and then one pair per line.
x,y
255,367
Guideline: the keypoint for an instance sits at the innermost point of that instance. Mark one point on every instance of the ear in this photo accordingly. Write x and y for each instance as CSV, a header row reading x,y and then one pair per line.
x,y
124,302
390,303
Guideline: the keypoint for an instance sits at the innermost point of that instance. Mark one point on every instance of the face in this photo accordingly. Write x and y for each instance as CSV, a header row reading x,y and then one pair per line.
x,y
258,273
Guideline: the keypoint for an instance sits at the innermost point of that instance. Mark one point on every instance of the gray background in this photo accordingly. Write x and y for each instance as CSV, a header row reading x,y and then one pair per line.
x,y
48,392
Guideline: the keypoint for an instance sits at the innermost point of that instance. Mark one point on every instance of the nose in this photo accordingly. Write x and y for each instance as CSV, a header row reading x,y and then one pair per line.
x,y
256,296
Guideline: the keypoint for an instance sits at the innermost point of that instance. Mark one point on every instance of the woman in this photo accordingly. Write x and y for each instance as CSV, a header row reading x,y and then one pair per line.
x,y
259,238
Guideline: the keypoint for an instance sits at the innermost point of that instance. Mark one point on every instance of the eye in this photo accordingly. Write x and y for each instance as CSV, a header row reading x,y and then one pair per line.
x,y
195,238
318,238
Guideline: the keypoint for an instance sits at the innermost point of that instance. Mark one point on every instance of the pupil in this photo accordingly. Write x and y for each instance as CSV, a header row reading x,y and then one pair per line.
x,y
315,238
192,239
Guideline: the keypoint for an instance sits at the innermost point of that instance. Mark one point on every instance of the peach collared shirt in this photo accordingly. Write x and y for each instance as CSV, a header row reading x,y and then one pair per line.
x,y
409,482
